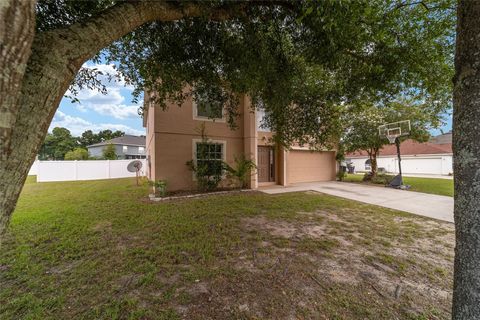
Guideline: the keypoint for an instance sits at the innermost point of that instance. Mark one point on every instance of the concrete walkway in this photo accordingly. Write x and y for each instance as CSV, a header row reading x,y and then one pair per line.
x,y
423,204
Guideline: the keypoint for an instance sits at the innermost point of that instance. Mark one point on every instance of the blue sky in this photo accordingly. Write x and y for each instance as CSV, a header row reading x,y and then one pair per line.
x,y
113,111
447,127
97,111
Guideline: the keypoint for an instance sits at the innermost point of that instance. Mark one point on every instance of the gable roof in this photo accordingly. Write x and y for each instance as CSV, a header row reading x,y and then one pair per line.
x,y
442,138
124,140
409,148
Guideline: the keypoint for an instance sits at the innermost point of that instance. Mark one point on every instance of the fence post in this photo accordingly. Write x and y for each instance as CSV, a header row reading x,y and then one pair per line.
x,y
108,169
75,170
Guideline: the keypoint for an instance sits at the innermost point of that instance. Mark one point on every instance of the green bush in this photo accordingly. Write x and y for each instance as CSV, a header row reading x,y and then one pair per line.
x,y
208,174
378,179
160,187
109,153
241,172
77,154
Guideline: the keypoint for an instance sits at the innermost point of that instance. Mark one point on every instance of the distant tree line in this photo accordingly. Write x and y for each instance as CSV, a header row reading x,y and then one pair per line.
x,y
62,145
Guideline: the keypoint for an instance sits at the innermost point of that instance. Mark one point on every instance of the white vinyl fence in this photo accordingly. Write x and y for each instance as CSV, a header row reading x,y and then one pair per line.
x,y
421,164
84,170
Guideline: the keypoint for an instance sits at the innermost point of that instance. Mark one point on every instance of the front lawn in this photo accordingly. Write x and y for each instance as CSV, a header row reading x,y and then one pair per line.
x,y
99,250
442,187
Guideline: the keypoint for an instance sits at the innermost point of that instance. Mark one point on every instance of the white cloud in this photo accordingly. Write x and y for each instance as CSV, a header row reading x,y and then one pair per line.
x,y
118,111
110,104
77,125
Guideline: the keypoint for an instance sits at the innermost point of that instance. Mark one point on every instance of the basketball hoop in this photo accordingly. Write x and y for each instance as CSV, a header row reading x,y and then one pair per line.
x,y
392,138
393,131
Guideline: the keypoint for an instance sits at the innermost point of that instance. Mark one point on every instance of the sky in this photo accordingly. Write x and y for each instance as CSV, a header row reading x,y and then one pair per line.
x,y
97,111
114,111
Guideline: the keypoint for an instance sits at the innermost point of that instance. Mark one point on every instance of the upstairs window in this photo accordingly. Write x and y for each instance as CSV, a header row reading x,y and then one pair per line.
x,y
125,148
205,110
260,117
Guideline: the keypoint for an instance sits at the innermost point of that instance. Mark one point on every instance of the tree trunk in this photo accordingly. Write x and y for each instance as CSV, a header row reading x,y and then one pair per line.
x,y
466,119
17,29
373,163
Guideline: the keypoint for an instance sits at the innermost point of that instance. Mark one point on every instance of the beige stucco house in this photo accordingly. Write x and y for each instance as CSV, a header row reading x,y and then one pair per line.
x,y
173,137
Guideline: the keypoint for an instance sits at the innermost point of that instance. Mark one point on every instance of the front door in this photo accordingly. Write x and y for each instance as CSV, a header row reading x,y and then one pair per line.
x,y
266,164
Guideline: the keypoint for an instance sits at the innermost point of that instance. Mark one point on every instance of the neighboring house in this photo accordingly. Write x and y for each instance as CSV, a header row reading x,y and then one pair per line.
x,y
126,147
433,157
173,139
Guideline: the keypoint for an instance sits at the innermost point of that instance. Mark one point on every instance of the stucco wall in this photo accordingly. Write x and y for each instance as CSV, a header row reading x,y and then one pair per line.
x,y
175,130
150,138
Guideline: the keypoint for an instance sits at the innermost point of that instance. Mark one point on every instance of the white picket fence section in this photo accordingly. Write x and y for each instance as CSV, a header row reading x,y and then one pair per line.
x,y
84,170
33,169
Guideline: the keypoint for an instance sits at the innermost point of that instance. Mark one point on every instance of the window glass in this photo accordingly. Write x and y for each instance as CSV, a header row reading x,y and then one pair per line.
x,y
125,148
209,110
261,125
210,157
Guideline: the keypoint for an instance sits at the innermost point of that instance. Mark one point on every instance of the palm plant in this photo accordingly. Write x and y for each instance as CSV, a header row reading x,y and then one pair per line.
x,y
241,171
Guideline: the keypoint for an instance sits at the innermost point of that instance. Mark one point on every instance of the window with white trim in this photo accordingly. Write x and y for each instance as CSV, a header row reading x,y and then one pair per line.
x,y
141,149
125,148
207,110
210,156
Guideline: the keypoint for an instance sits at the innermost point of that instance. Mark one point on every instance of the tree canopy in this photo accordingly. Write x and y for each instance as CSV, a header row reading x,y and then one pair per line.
x,y
88,137
60,142
57,144
361,124
298,60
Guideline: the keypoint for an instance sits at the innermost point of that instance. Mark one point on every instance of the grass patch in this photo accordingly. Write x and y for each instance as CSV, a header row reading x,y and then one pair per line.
x,y
99,250
443,187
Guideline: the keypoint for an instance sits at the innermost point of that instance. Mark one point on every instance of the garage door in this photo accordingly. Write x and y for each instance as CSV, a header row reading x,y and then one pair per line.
x,y
307,166
422,166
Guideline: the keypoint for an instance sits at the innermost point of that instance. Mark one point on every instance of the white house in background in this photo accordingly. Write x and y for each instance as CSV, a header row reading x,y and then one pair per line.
x,y
434,157
126,147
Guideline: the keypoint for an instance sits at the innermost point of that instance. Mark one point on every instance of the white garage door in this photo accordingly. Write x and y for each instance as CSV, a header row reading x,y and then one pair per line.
x,y
307,166
422,166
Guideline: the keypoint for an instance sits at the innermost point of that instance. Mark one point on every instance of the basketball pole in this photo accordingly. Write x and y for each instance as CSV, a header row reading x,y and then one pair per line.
x,y
397,143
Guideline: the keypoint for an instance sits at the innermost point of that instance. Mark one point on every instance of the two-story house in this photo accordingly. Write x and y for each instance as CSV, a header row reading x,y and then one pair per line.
x,y
173,139
126,147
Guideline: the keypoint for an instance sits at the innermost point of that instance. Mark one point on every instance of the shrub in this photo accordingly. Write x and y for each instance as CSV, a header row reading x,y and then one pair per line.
x,y
77,154
160,187
378,179
341,174
242,171
207,174
109,152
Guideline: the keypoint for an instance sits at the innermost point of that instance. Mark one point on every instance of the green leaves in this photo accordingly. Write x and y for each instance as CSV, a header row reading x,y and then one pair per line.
x,y
300,61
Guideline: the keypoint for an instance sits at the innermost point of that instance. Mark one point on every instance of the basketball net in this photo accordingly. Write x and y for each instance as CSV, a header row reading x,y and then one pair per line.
x,y
392,138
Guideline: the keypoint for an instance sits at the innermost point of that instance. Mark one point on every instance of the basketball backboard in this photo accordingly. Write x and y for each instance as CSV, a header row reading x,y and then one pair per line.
x,y
393,130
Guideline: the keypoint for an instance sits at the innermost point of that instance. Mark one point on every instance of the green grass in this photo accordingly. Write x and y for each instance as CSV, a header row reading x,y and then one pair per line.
x,y
99,250
442,187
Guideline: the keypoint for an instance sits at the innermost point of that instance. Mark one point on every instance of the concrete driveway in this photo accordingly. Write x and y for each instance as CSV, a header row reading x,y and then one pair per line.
x,y
423,204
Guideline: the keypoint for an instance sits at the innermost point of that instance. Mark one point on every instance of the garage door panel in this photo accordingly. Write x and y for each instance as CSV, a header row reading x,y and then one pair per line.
x,y
422,166
307,166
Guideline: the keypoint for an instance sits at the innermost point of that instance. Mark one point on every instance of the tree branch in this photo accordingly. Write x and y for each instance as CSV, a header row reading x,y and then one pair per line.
x,y
98,32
